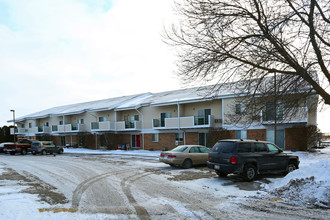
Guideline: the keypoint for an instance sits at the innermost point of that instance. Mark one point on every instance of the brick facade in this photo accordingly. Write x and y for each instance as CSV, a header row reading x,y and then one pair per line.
x,y
256,134
296,138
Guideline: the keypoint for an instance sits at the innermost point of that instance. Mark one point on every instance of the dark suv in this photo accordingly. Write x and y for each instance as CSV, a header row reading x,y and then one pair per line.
x,y
249,158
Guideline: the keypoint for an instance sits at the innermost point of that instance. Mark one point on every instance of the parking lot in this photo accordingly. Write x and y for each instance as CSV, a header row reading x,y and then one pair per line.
x,y
131,186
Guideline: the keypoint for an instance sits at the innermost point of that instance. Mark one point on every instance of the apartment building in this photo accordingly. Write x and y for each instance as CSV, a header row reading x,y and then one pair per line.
x,y
154,121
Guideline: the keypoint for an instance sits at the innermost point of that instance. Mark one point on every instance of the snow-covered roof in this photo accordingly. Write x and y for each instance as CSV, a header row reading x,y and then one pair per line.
x,y
189,95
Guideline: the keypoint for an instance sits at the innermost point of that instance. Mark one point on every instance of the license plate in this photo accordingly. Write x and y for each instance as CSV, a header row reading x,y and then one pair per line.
x,y
217,167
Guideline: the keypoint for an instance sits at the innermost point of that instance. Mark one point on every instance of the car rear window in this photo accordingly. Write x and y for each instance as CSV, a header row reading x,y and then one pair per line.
x,y
244,148
224,147
180,149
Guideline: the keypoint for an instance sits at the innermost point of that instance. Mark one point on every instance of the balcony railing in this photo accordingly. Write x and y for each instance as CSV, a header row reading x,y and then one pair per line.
x,y
183,122
18,131
126,125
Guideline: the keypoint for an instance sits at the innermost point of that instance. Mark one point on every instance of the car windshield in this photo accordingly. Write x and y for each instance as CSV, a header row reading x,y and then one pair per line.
x,y
180,149
224,147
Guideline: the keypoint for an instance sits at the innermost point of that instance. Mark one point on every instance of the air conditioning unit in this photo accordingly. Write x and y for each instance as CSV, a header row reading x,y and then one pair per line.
x,y
219,120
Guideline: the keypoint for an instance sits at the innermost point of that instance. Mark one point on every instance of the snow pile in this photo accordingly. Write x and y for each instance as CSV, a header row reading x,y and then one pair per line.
x,y
309,185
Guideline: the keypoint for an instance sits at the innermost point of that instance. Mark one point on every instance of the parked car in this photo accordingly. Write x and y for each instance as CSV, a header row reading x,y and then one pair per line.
x,y
185,156
23,146
2,146
44,147
250,158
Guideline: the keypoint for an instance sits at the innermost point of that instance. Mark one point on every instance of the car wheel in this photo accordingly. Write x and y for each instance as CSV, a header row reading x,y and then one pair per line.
x,y
250,172
12,153
291,167
187,163
34,153
60,151
222,174
43,152
23,152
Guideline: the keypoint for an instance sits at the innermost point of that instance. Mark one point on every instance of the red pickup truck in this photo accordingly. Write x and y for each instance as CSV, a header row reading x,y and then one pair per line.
x,y
22,146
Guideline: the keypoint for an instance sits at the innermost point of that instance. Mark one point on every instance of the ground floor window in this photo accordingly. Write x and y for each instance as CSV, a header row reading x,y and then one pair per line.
x,y
155,137
179,136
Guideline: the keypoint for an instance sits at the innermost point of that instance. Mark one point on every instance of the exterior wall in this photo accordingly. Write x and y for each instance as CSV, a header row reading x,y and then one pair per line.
x,y
191,138
228,109
257,134
166,140
191,109
296,138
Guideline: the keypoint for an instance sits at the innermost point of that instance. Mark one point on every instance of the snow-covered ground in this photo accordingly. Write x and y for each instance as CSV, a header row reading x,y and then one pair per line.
x,y
309,185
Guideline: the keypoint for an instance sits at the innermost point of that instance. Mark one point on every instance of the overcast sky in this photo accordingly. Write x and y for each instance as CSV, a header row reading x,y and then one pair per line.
x,y
58,52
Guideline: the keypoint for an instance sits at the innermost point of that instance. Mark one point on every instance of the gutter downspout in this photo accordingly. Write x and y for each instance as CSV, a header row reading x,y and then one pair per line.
x,y
142,125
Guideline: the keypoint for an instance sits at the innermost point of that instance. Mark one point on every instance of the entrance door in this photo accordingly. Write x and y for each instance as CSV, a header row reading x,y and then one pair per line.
x,y
136,140
62,140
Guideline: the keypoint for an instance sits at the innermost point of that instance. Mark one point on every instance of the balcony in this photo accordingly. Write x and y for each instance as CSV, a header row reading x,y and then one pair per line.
x,y
103,126
69,128
183,122
18,131
128,126
41,129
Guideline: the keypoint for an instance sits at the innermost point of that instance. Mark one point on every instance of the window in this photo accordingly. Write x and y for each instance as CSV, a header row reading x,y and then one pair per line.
x,y
46,123
61,123
30,125
163,116
240,109
203,117
80,121
133,118
260,147
179,149
101,119
244,147
272,148
270,111
204,150
224,147
194,150
179,136
23,126
155,137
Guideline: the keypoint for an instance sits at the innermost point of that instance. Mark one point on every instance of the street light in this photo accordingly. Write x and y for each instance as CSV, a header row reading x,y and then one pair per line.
x,y
14,122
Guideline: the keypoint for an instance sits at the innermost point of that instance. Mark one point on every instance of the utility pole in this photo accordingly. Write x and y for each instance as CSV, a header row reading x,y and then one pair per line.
x,y
275,108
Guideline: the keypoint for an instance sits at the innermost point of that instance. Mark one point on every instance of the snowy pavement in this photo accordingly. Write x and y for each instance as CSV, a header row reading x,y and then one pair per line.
x,y
185,194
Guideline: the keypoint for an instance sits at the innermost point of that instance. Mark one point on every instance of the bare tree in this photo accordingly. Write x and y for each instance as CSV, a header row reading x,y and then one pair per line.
x,y
222,41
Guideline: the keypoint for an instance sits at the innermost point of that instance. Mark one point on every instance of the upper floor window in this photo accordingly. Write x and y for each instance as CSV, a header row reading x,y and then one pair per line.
x,y
81,121
270,111
22,125
30,125
164,115
240,109
101,119
203,117
61,122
